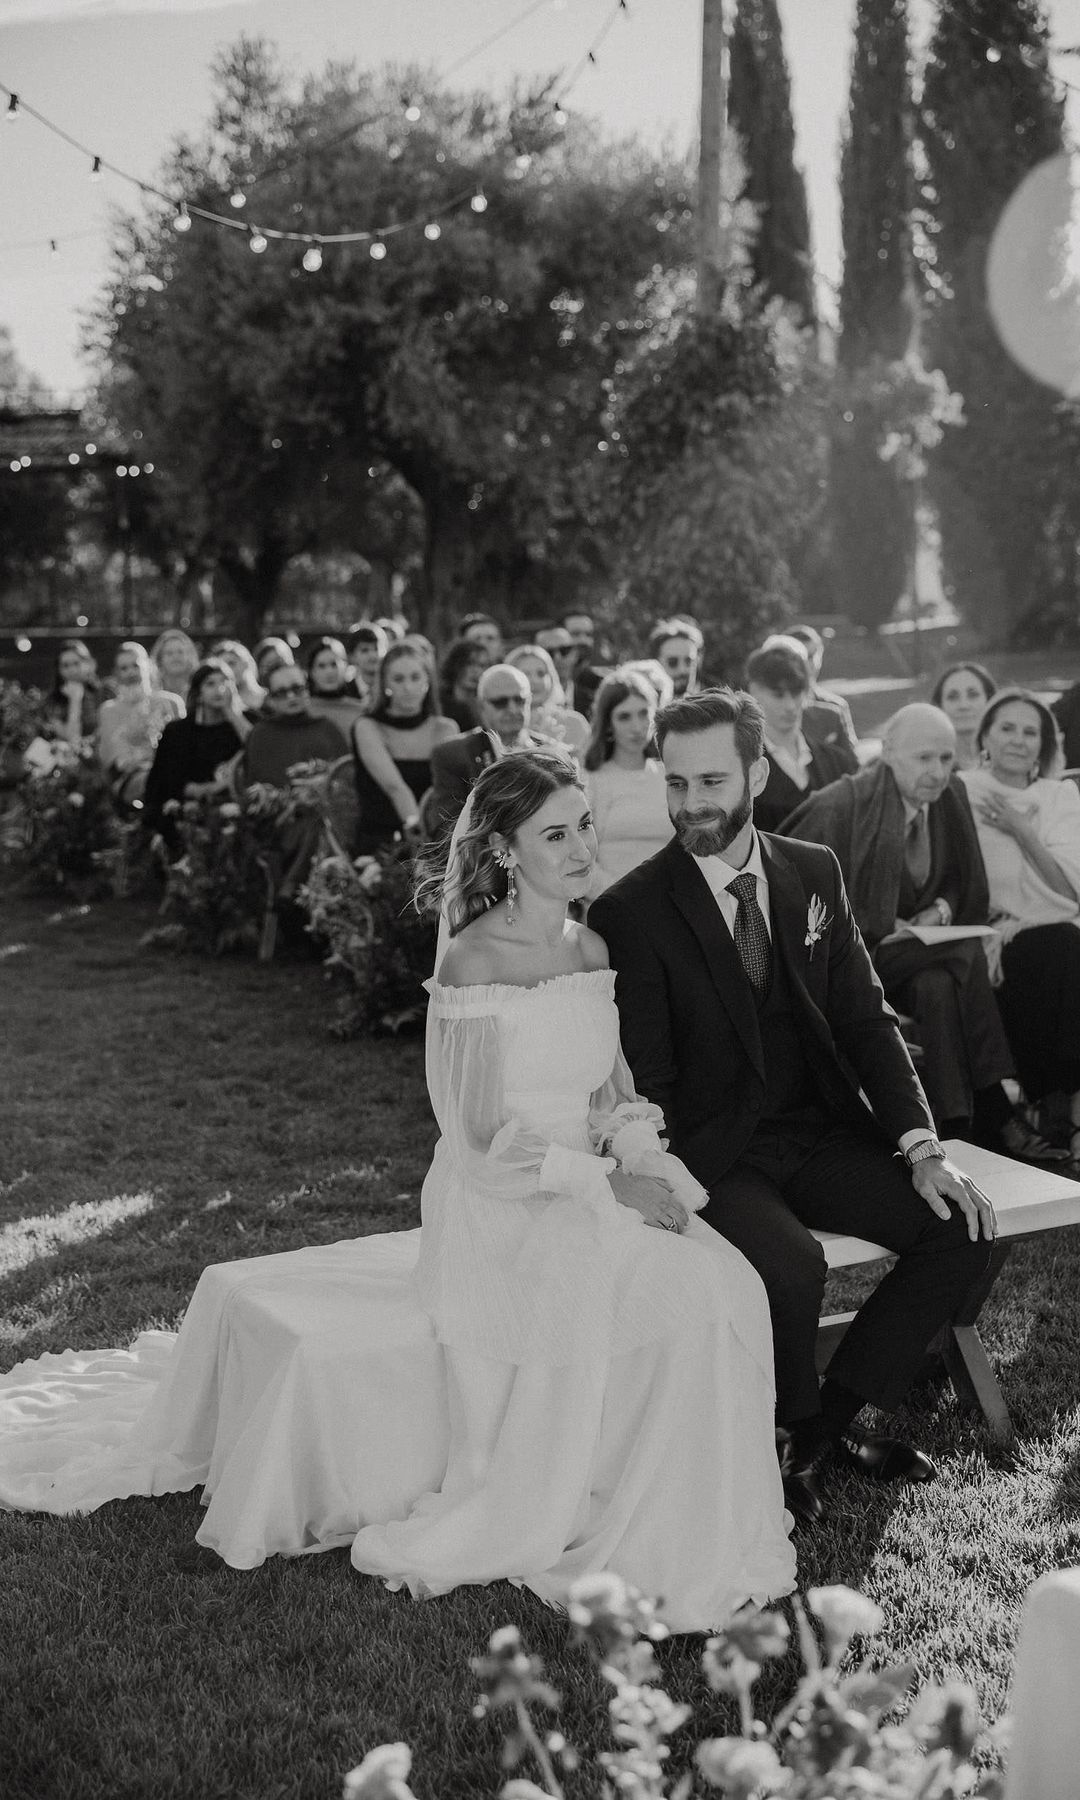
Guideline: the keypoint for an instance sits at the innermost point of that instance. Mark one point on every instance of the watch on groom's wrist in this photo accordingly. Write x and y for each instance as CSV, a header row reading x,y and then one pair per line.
x,y
929,1150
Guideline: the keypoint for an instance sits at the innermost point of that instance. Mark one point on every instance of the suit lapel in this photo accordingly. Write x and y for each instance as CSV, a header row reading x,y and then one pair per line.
x,y
693,897
787,910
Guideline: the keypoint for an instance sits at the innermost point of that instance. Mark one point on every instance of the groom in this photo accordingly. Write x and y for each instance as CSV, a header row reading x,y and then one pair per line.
x,y
751,1013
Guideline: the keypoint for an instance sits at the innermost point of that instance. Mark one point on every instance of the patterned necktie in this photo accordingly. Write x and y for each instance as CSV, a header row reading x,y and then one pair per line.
x,y
752,934
917,850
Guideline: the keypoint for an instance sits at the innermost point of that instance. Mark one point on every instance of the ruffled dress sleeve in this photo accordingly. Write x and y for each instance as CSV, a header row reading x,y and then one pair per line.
x,y
498,1155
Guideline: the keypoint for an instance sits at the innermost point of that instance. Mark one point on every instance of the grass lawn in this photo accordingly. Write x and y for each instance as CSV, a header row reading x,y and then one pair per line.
x,y
161,1113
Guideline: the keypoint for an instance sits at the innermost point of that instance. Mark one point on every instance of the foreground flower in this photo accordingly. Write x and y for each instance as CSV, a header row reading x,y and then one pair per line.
x,y
383,1775
843,1613
741,1768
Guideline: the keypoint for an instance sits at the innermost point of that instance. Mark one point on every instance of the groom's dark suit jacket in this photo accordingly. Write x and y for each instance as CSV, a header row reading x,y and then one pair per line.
x,y
689,1020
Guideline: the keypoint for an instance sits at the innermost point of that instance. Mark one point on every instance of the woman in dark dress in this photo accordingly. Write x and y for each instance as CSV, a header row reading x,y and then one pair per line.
x,y
191,750
779,679
393,748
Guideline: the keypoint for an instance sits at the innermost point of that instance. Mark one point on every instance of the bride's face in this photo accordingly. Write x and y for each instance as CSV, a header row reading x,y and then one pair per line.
x,y
554,851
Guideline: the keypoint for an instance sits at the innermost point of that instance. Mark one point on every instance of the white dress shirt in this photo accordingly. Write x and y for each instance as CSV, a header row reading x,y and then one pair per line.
x,y
719,875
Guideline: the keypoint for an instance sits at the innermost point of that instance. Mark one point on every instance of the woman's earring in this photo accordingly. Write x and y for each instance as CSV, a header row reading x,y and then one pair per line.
x,y
502,857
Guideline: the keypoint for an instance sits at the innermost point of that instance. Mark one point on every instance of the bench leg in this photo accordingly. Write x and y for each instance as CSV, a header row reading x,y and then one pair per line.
x,y
974,1380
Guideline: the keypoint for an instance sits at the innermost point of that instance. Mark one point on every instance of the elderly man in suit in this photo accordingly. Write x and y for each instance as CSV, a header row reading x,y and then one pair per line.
x,y
905,839
751,1013
503,698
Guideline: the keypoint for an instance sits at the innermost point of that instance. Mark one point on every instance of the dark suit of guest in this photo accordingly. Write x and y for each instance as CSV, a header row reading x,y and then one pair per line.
x,y
455,765
827,724
782,794
945,987
760,1094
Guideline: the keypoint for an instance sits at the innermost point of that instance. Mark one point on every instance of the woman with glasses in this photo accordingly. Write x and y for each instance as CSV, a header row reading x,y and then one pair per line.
x,y
393,748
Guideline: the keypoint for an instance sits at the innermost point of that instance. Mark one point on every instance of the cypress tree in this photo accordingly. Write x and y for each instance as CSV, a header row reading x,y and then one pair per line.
x,y
759,109
990,113
872,508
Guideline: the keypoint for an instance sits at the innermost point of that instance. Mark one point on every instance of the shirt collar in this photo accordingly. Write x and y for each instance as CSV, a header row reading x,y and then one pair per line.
x,y
720,874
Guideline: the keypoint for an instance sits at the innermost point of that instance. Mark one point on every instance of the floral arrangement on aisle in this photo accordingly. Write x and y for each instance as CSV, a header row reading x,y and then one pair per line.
x,y
20,722
831,1742
220,888
379,949
69,836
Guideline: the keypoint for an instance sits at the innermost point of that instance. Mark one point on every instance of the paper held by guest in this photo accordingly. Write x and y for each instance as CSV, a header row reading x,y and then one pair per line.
x,y
939,934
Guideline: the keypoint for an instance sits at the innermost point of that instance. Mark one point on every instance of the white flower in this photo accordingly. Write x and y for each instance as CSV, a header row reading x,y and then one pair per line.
x,y
603,1594
741,1767
383,1775
817,922
230,810
843,1612
76,800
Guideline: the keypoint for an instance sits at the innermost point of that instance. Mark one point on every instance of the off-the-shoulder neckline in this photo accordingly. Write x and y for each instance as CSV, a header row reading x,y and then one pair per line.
x,y
496,989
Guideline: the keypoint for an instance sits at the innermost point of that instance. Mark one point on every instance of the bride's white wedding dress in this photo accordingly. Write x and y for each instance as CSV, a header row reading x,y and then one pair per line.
x,y
534,1386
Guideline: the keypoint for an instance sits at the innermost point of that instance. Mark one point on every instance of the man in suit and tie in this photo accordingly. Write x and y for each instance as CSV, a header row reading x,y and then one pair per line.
x,y
751,1013
908,850
503,698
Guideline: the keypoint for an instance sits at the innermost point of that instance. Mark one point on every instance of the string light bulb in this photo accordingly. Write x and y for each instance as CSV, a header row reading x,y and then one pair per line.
x,y
237,199
312,259
559,116
95,169
182,218
412,112
256,242
432,231
12,108
993,54
377,250
479,203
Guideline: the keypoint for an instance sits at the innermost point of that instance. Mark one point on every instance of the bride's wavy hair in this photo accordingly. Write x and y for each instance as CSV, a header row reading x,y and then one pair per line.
x,y
506,795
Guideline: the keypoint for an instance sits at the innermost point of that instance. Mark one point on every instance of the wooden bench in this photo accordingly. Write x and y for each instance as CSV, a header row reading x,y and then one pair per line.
x,y
1027,1200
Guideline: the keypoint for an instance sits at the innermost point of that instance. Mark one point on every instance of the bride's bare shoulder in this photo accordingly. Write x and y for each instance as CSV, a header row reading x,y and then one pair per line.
x,y
471,960
594,951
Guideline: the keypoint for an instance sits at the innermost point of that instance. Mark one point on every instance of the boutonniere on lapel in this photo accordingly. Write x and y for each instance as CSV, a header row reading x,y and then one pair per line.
x,y
817,924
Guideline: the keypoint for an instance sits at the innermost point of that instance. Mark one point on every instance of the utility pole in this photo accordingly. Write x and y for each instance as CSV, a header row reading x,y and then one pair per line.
x,y
714,91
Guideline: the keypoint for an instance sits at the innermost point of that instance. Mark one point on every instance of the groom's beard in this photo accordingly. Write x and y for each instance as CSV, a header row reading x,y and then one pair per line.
x,y
708,833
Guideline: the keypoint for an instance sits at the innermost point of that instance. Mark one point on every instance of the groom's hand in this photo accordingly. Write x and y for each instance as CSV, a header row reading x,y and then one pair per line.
x,y
942,1182
650,1197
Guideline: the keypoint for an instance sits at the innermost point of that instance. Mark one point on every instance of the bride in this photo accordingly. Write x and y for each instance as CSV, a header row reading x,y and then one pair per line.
x,y
563,1371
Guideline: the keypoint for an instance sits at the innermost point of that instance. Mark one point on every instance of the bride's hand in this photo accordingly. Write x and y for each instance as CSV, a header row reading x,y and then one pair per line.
x,y
652,1198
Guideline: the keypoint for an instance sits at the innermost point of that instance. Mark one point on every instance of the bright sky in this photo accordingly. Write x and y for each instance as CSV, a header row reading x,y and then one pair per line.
x,y
125,76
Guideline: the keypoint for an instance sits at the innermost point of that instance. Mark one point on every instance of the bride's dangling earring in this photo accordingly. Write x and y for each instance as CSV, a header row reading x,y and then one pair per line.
x,y
503,860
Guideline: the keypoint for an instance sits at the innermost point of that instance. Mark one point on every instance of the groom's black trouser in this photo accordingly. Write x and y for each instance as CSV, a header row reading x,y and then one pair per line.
x,y
766,1205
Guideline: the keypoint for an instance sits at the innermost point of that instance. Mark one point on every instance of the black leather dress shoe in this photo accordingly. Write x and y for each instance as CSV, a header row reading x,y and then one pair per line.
x,y
885,1458
799,1472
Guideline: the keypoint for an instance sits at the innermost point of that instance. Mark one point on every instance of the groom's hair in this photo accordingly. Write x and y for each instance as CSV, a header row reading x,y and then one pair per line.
x,y
716,706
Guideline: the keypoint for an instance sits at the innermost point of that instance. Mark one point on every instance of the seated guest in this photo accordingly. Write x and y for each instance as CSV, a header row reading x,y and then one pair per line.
x,y
175,659
625,784
480,628
71,706
656,676
962,691
130,724
504,698
395,744
462,666
272,653
290,733
826,716
288,736
778,677
1029,829
191,750
563,651
368,645
591,660
550,713
332,690
906,843
677,645
245,674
